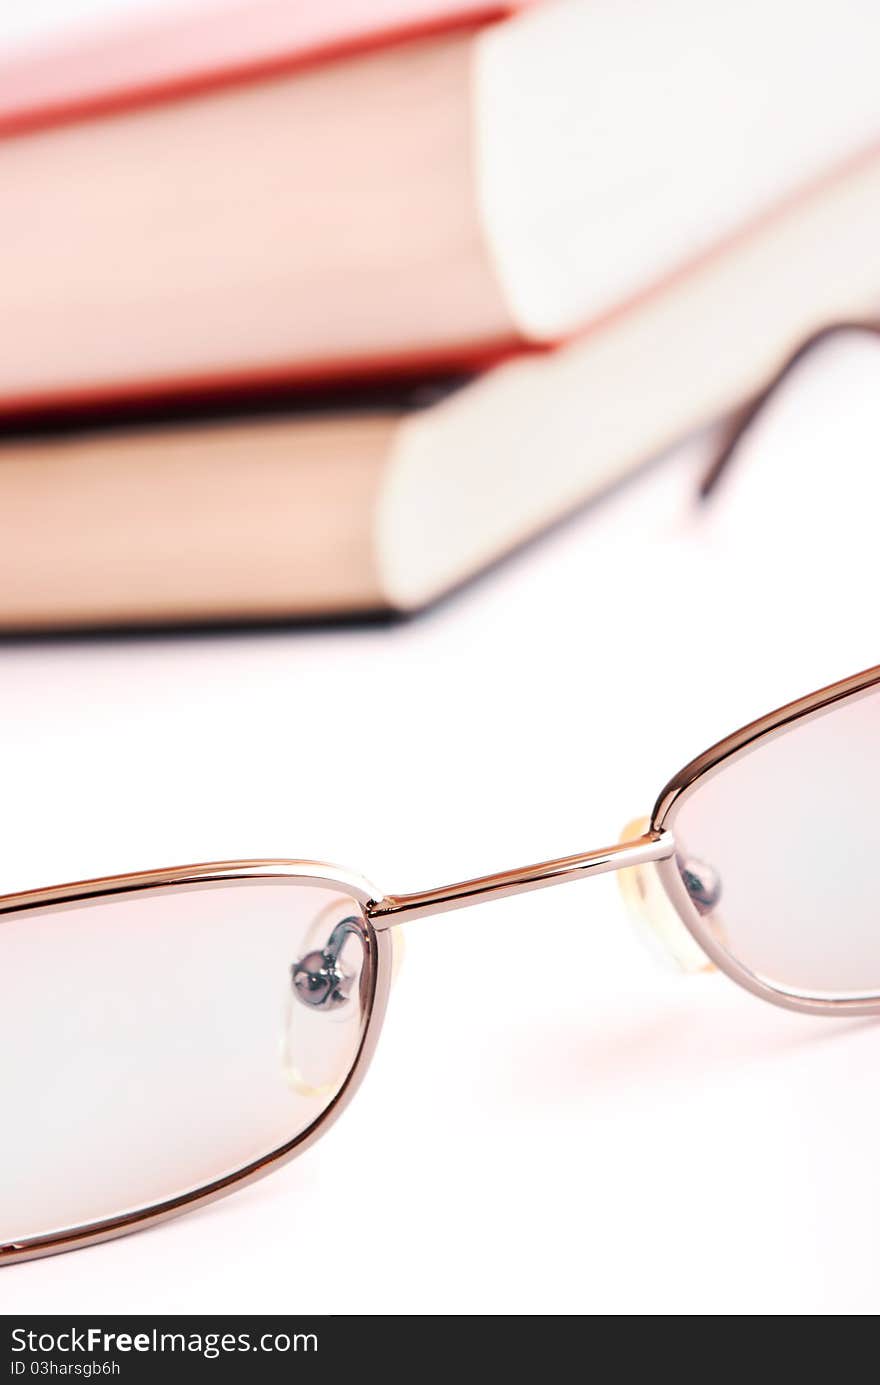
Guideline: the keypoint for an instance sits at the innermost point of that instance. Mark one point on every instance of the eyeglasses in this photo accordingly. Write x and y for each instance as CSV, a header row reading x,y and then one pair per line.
x,y
741,423
169,1036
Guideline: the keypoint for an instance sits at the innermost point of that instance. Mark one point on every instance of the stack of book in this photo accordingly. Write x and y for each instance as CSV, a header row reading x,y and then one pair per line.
x,y
313,310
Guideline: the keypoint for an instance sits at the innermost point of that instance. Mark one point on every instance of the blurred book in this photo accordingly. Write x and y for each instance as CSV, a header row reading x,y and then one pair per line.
x,y
228,201
624,214
339,510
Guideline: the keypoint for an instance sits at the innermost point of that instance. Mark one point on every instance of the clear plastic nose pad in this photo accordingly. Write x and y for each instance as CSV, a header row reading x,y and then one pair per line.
x,y
654,914
324,1005
398,951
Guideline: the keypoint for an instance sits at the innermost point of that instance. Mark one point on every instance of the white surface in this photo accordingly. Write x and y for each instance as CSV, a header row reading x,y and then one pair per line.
x,y
552,1124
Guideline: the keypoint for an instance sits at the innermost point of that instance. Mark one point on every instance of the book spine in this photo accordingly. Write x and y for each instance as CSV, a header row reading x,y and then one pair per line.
x,y
253,521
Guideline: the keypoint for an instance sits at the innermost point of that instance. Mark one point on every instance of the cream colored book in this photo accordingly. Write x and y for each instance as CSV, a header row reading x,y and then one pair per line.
x,y
304,514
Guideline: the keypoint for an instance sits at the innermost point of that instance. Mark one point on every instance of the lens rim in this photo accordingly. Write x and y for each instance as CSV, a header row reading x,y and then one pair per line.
x,y
379,944
689,779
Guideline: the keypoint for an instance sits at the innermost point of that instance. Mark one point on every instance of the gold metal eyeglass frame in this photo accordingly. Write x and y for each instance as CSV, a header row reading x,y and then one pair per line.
x,y
655,848
652,849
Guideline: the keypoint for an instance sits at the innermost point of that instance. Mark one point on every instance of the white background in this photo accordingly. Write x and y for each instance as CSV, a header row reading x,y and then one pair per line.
x,y
552,1123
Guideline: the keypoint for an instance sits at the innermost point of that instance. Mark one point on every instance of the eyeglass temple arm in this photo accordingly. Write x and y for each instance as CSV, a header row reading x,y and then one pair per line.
x,y
398,908
742,419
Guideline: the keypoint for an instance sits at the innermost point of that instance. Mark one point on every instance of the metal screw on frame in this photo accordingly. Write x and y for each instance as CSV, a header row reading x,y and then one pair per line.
x,y
320,981
702,882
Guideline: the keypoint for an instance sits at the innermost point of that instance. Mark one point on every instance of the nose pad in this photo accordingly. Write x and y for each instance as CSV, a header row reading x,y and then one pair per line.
x,y
398,952
323,1007
653,913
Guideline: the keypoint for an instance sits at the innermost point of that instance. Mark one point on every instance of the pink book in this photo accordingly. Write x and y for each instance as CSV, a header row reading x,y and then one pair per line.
x,y
279,193
160,54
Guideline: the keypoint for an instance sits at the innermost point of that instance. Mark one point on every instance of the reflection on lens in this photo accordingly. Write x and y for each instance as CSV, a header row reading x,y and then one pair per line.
x,y
777,854
149,1041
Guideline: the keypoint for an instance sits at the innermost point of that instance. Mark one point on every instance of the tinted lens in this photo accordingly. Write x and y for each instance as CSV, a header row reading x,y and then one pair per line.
x,y
156,1041
778,851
